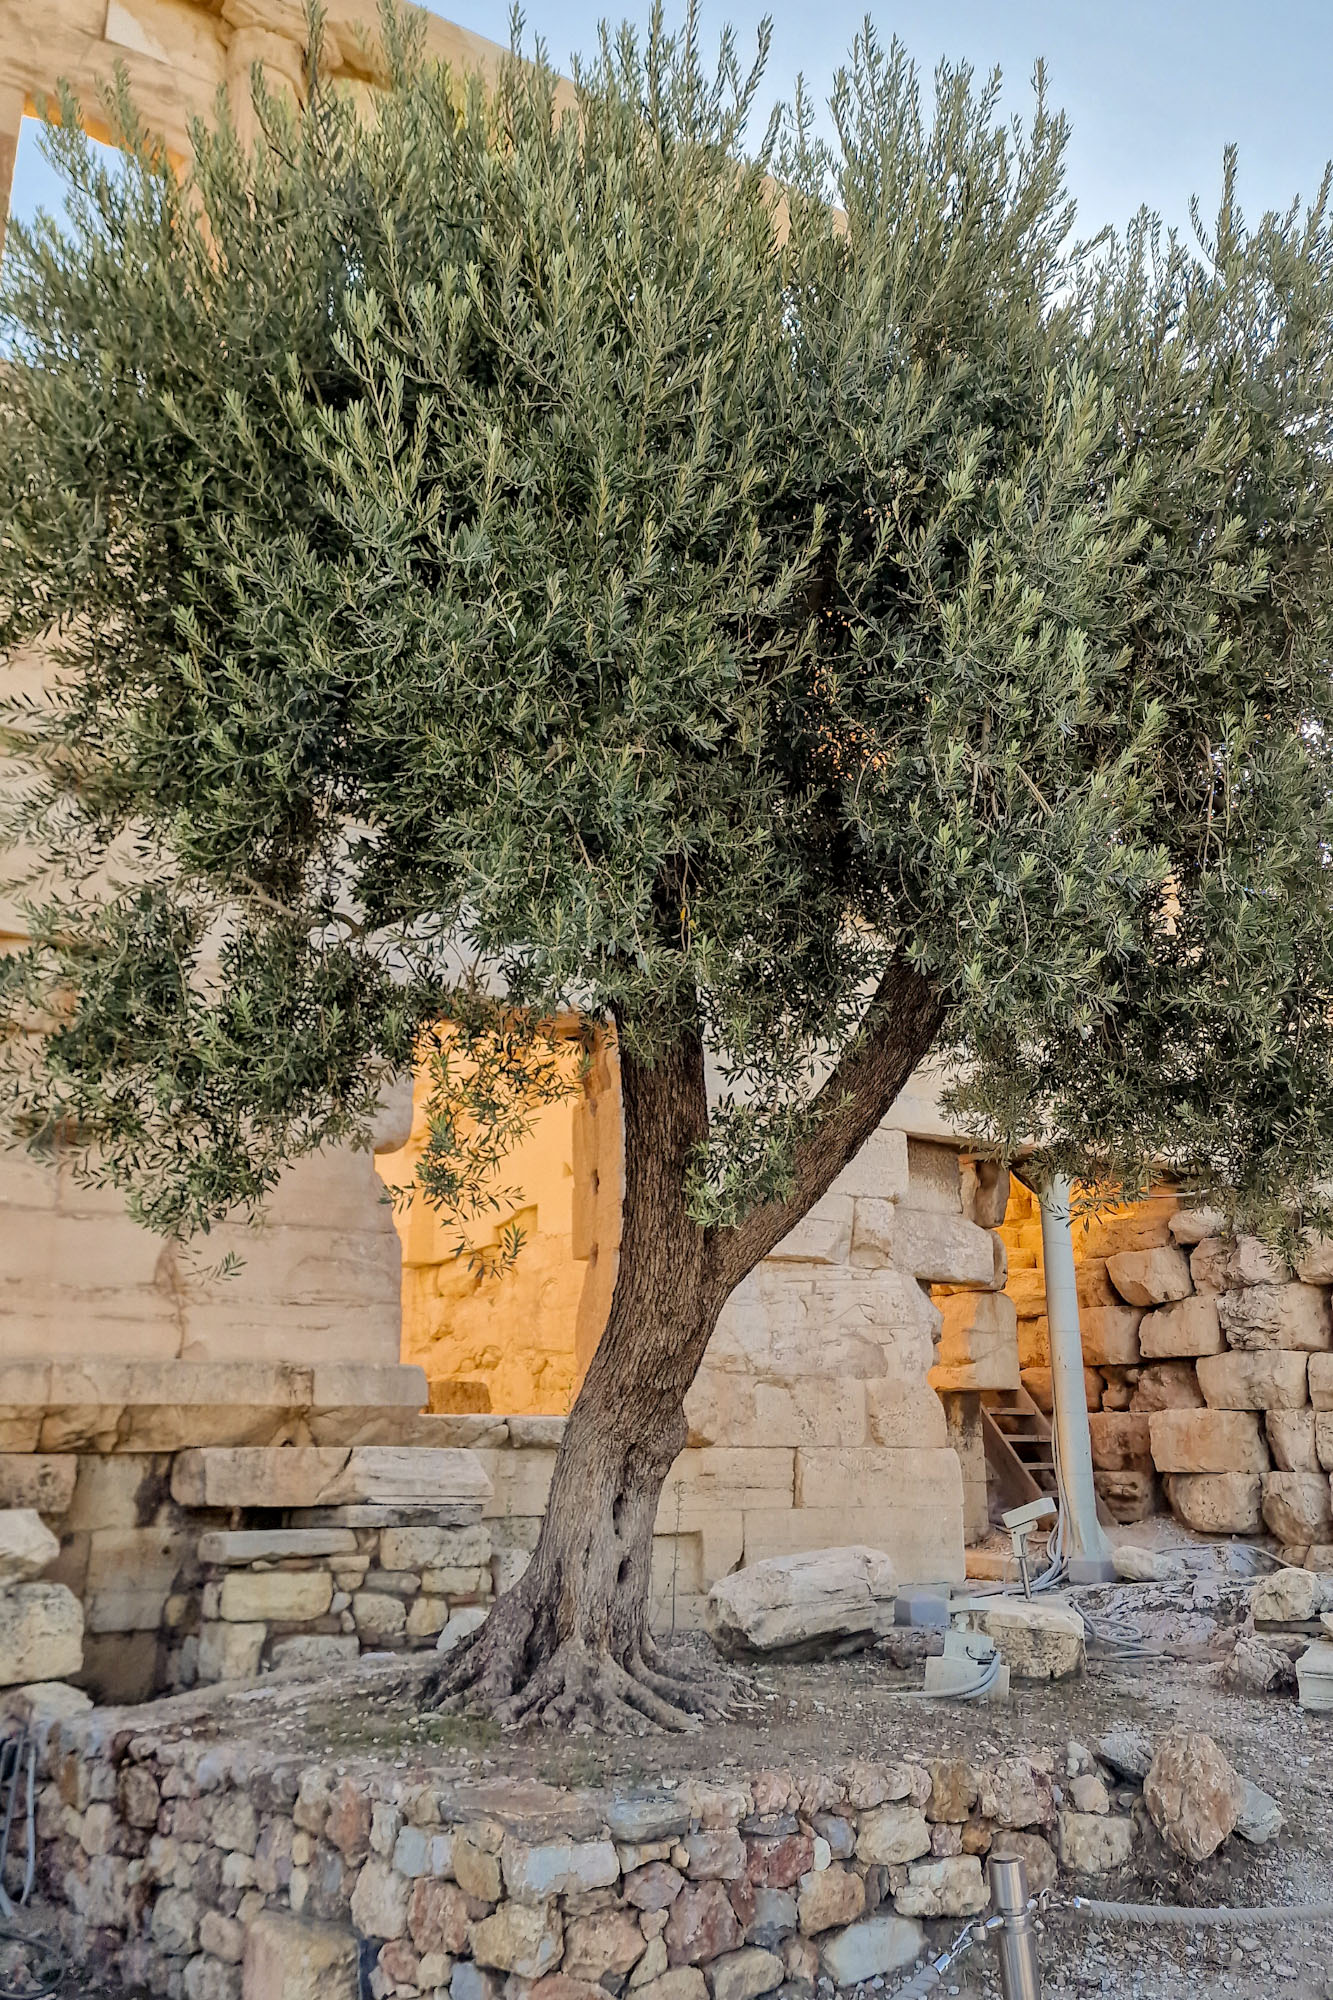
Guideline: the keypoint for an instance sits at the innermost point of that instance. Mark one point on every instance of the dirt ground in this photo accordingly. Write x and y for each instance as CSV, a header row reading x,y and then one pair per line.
x,y
1158,1663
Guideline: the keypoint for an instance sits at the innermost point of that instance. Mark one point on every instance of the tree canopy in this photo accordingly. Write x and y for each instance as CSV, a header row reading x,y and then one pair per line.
x,y
613,559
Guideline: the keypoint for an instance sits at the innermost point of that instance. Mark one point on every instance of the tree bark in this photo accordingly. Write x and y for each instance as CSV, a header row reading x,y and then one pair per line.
x,y
571,1639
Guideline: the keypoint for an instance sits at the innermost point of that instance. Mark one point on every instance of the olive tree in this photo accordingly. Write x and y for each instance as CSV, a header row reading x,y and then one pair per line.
x,y
778,600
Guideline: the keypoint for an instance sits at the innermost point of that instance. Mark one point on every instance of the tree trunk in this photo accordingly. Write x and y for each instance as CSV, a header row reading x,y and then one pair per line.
x,y
571,1638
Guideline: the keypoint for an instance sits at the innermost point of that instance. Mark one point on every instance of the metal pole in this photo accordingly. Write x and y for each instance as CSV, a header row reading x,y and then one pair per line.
x,y
1020,1977
1087,1550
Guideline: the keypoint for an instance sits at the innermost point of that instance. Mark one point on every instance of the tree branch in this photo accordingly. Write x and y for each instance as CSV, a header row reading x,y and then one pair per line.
x,y
900,1026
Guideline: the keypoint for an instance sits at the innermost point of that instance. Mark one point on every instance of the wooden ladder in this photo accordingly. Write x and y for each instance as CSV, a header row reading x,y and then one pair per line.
x,y
1020,1451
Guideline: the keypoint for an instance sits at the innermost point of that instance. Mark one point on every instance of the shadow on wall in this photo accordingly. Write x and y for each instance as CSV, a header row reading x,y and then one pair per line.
x,y
518,1341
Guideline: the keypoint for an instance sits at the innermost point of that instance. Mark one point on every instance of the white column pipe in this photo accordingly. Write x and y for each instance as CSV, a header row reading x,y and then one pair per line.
x,y
1086,1547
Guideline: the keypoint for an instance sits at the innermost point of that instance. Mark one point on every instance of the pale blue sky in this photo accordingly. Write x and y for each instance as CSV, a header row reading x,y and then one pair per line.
x,y
1155,88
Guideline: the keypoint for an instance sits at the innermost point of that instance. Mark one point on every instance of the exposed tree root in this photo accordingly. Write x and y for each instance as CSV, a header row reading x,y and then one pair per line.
x,y
576,1685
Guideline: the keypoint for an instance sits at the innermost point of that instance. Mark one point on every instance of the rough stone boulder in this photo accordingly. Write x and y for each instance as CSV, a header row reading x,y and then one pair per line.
x,y
1151,1277
1288,1317
41,1633
1190,1327
1291,1439
1298,1506
1290,1597
1138,1565
1194,1797
1253,1381
1038,1641
787,1601
1207,1441
1167,1385
27,1546
1217,1503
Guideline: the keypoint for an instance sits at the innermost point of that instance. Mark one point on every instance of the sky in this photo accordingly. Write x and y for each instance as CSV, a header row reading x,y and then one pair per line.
x,y
1154,88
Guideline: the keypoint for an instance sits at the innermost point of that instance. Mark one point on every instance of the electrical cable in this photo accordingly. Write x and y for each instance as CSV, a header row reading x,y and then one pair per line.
x,y
18,1767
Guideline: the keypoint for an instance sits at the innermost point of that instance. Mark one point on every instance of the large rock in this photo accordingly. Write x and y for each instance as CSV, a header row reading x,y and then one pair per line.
x,y
1315,1261
1293,1318
27,1546
1321,1381
1128,1496
1094,1843
253,1596
518,1938
793,1600
328,1476
745,1974
1289,1597
1189,1327
1191,1225
872,1947
1150,1277
1292,1440
41,1633
1110,1336
829,1897
43,1481
535,1873
1298,1506
893,1834
1207,1441
293,1958
1167,1385
1217,1503
1120,1441
1038,1641
1253,1381
950,1887
1193,1795
1219,1264
978,1345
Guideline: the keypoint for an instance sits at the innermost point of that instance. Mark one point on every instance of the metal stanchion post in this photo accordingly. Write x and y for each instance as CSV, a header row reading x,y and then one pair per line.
x,y
1016,1942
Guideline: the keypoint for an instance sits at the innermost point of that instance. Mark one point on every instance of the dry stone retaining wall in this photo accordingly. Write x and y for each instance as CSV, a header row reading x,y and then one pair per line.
x,y
213,1871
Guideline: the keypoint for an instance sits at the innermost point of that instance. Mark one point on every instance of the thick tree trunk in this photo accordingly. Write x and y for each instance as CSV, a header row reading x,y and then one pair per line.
x,y
571,1640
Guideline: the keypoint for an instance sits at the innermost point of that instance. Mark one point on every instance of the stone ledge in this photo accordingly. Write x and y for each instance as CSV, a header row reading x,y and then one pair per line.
x,y
315,1476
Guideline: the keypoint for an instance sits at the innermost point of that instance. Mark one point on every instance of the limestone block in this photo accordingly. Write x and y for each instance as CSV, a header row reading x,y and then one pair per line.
x,y
1189,1327
892,1835
1218,1264
1207,1441
1298,1506
789,1600
27,1547
130,1575
1150,1277
925,1539
229,1652
822,1236
934,1177
1321,1381
1037,1382
1167,1385
534,1874
986,1186
43,1481
950,1887
1292,1440
867,1949
732,1476
1291,1317
1314,1265
521,1939
1128,1496
878,1170
520,1482
1146,1225
365,1385
1222,1503
120,1492
328,1475
41,1633
866,1476
1093,1843
901,1414
1120,1441
289,1596
1253,1381
872,1231
945,1249
293,1958
309,1651
1027,1289
1189,1226
1323,1443
978,1346
1039,1641
729,1410
1110,1335
247,1545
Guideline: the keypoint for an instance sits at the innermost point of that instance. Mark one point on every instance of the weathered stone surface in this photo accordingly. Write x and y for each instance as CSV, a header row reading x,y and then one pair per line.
x,y
1014,1793
1190,1225
251,1596
606,1941
1110,1336
1253,1381
1257,1663
952,1887
893,1833
743,1975
1192,1794
1260,1817
828,1898
978,1345
1220,1265
41,1633
1038,1641
27,1546
655,1886
1207,1441
43,1701
1127,1750
1321,1381
1189,1327
1217,1503
557,1868
943,1249
293,1958
380,1616
1152,1277
1293,1318
379,1900
683,1982
43,1481
1036,1854
1323,1441
247,1545
1093,1843
521,1938
790,1600
701,1925
1298,1506
461,1625
1167,1385
309,1651
715,1853
1288,1596
865,1950
1136,1565
326,1476
229,1652
1037,1382
1291,1439
1120,1441
1314,1265
437,1916
779,1862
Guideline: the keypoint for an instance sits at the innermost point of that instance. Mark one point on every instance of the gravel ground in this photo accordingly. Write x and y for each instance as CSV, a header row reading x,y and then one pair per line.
x,y
831,1711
